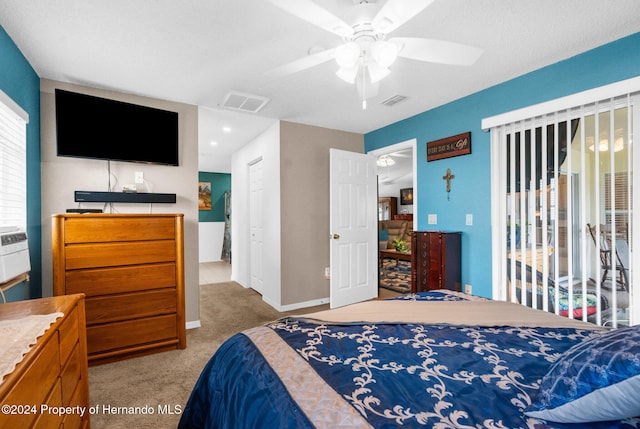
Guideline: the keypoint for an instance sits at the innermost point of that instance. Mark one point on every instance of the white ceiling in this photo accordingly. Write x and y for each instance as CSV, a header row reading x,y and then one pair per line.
x,y
195,51
397,174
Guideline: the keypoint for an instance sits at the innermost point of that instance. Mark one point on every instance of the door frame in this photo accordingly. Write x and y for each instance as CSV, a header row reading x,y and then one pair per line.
x,y
253,283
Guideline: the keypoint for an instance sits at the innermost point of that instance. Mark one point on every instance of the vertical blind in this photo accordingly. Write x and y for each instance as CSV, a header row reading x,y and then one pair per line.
x,y
562,197
13,161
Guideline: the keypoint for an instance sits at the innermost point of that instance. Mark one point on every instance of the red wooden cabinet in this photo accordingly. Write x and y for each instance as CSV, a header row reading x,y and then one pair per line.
x,y
435,260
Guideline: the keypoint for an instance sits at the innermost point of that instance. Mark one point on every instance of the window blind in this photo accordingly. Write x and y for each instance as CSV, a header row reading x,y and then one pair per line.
x,y
13,167
620,200
556,196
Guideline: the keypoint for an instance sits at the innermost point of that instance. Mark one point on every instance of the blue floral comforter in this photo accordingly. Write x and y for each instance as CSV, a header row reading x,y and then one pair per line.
x,y
300,373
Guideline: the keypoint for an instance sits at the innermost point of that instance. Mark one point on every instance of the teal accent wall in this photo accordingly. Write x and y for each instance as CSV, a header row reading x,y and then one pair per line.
x,y
470,190
220,183
20,82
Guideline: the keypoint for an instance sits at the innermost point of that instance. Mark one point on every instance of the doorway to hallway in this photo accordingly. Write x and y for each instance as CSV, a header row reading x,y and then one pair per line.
x,y
397,214
214,272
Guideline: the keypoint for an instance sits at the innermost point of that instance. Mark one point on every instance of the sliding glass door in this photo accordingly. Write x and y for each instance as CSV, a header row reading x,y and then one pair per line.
x,y
564,195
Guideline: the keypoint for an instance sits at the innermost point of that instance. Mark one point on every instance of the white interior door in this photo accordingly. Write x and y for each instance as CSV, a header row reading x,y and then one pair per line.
x,y
353,227
256,226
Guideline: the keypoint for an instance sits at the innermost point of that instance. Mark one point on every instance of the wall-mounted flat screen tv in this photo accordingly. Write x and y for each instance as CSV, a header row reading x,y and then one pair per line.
x,y
94,127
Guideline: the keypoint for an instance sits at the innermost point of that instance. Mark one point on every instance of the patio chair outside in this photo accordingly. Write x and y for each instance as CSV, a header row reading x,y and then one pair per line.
x,y
562,288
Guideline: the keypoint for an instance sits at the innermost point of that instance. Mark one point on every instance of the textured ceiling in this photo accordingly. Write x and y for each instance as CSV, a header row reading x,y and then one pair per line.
x,y
195,51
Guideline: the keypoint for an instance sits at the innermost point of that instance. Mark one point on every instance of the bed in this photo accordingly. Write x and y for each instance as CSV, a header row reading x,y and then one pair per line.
x,y
436,359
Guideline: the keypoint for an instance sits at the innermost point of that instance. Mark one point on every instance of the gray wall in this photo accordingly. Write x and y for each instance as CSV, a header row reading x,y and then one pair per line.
x,y
62,176
295,212
304,206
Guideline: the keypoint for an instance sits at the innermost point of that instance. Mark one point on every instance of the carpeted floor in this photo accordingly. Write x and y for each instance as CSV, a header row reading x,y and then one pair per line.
x,y
162,381
395,277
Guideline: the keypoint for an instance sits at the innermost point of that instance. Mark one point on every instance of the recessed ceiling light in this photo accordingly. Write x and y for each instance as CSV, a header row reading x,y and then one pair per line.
x,y
226,129
213,143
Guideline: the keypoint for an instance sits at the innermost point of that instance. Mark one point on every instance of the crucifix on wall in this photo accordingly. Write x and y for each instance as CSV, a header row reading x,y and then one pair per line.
x,y
448,177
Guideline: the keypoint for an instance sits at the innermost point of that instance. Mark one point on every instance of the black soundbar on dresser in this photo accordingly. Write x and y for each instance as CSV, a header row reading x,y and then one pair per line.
x,y
123,197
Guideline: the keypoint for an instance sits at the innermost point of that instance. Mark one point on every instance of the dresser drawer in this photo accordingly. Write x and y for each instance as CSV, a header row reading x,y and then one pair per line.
x,y
114,308
101,338
40,378
70,376
122,253
131,269
75,420
108,229
35,385
49,420
116,280
68,333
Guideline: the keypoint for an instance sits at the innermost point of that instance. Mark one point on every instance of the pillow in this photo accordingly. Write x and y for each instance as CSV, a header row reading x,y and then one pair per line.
x,y
383,239
383,235
595,380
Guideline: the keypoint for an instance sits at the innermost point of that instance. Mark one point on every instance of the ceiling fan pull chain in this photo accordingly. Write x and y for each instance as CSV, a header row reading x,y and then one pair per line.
x,y
364,87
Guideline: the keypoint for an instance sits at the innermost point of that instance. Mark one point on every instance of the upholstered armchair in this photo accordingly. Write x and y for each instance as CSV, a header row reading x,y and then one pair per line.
x,y
395,229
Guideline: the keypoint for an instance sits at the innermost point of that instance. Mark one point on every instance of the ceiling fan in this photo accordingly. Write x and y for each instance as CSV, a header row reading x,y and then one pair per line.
x,y
387,159
365,55
403,153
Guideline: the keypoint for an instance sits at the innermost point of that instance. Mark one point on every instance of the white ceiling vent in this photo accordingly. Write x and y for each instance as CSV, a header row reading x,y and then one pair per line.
x,y
394,100
244,102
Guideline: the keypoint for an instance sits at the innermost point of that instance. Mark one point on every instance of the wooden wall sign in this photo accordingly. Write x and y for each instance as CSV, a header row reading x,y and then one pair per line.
x,y
449,147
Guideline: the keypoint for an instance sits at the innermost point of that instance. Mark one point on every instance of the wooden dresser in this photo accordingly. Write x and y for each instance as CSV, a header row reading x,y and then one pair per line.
x,y
53,373
131,269
435,260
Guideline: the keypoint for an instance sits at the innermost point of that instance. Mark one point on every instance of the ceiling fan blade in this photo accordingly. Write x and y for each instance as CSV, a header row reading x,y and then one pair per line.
x,y
316,15
394,13
400,154
302,63
437,51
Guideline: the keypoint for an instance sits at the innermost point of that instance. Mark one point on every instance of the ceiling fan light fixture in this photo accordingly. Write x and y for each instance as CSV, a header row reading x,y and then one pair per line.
x,y
347,55
603,143
364,49
384,53
385,161
348,74
377,72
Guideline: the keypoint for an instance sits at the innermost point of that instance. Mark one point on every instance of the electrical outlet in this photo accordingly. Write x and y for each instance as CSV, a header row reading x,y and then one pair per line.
x,y
327,273
468,289
432,219
139,177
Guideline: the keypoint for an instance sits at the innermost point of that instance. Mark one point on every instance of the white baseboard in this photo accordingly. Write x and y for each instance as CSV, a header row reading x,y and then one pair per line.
x,y
305,304
194,324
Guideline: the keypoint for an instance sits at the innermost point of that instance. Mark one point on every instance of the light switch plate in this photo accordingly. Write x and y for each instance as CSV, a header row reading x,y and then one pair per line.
x,y
469,220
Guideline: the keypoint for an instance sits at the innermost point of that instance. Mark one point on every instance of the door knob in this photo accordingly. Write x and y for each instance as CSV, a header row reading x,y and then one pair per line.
x,y
336,236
